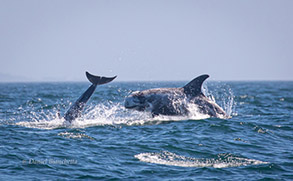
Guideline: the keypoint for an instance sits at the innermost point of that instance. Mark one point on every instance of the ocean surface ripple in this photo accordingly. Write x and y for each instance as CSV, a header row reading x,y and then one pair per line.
x,y
111,142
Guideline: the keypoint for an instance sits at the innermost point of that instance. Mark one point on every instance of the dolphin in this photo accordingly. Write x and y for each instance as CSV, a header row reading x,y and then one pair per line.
x,y
75,110
175,101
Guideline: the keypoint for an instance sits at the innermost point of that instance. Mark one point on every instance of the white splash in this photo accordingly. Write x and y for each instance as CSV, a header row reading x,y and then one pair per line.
x,y
42,124
101,115
221,161
223,96
109,113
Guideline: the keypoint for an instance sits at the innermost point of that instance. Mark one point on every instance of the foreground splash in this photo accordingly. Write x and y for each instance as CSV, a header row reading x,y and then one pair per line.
x,y
102,114
175,101
220,161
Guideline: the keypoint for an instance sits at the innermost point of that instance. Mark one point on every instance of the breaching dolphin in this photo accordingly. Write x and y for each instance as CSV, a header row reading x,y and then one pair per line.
x,y
75,110
175,101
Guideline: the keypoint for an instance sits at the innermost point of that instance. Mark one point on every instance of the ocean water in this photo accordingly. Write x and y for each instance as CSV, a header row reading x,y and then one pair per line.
x,y
110,142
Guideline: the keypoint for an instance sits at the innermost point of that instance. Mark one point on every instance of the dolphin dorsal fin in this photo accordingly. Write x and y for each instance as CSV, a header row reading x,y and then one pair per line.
x,y
193,88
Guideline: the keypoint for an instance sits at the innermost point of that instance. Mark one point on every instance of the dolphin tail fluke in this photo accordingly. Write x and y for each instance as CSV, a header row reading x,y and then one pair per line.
x,y
75,110
193,88
97,80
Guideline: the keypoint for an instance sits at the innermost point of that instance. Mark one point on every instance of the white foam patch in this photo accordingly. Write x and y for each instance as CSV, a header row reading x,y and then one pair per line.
x,y
74,135
43,124
221,161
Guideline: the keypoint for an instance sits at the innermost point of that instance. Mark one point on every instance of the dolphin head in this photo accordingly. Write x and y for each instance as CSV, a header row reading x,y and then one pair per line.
x,y
137,100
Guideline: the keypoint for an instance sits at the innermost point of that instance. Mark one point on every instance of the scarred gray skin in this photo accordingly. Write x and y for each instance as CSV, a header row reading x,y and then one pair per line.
x,y
174,101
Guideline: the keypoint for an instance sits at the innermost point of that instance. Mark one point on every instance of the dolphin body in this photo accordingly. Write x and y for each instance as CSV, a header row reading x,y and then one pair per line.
x,y
75,110
175,101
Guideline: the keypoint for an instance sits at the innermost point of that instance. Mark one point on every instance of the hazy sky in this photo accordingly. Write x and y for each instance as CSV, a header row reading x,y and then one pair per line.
x,y
58,40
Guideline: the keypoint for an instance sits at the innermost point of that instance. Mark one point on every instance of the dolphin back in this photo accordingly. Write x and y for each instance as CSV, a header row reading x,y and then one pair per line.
x,y
193,88
97,80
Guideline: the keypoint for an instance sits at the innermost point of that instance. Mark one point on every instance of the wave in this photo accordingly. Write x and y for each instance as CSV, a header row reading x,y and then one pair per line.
x,y
220,161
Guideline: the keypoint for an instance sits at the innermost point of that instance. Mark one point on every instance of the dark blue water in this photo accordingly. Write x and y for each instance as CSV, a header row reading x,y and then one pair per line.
x,y
110,142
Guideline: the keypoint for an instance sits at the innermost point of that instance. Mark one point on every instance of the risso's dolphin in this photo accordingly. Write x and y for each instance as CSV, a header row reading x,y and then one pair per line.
x,y
75,110
175,101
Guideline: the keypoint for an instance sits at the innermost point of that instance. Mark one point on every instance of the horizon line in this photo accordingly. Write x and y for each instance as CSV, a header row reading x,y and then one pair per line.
x,y
84,81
